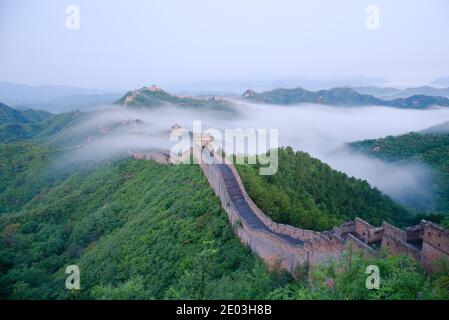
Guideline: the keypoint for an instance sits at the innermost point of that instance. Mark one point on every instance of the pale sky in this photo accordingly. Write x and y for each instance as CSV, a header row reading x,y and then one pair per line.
x,y
127,44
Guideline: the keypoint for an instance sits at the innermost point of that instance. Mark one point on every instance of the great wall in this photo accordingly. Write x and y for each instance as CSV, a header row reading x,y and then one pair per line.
x,y
289,247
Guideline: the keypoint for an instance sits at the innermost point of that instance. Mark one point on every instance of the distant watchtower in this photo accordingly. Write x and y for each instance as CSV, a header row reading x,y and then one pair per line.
x,y
153,88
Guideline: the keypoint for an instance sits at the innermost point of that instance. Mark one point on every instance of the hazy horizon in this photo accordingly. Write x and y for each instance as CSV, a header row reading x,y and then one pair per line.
x,y
222,45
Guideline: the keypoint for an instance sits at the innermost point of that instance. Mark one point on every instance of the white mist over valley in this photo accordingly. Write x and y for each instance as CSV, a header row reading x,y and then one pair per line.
x,y
320,130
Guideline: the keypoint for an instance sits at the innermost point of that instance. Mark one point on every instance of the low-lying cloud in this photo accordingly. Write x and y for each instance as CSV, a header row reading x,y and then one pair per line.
x,y
320,130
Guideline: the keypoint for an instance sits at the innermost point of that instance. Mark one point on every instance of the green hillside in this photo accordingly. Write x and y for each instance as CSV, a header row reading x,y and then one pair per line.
x,y
136,229
22,125
140,230
57,130
336,96
16,132
22,174
19,125
432,149
307,193
11,115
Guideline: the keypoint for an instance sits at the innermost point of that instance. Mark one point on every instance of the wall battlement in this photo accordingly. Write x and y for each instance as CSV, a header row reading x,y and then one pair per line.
x,y
161,157
425,242
288,246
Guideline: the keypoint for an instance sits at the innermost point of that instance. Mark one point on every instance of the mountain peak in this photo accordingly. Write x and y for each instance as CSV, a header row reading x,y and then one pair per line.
x,y
248,93
153,96
150,92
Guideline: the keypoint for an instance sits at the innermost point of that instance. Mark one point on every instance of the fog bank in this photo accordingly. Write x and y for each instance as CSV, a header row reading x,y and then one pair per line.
x,y
320,130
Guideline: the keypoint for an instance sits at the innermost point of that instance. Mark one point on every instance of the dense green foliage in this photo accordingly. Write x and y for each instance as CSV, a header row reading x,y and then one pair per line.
x,y
400,278
340,97
135,229
308,193
140,230
432,149
10,115
21,125
23,174
57,130
58,123
16,132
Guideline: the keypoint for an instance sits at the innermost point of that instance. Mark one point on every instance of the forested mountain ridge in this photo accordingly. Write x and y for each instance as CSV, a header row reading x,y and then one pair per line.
x,y
340,97
430,148
152,97
393,93
63,130
309,194
11,115
21,125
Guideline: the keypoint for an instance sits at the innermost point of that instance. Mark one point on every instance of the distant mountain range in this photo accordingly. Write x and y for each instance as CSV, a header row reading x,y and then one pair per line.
x,y
73,102
54,98
262,81
393,93
10,115
57,99
340,97
443,81
21,93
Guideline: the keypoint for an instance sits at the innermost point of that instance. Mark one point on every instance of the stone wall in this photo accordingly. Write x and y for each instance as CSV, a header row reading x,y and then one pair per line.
x,y
435,244
320,246
396,246
161,157
425,242
392,231
297,233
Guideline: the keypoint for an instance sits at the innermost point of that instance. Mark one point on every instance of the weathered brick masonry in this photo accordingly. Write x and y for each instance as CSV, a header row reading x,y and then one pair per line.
x,y
289,246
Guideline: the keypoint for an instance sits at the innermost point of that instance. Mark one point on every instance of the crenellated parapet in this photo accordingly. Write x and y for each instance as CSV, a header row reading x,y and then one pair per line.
x,y
288,246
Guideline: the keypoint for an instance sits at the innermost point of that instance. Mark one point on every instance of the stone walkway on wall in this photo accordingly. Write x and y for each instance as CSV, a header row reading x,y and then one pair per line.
x,y
273,241
244,209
